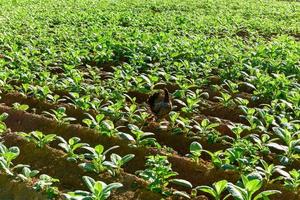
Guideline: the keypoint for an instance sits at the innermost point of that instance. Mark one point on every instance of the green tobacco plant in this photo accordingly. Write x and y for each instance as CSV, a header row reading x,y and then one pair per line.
x,y
7,155
19,106
98,190
262,142
114,109
225,99
82,102
291,147
116,163
216,190
249,115
292,179
231,87
27,174
237,129
38,138
178,124
96,158
158,173
267,171
193,100
59,115
45,184
101,125
139,137
247,188
207,129
195,151
3,127
71,146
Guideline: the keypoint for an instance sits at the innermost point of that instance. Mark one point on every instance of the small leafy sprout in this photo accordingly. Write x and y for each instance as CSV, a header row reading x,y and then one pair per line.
x,y
225,99
207,129
292,180
267,171
195,151
158,174
101,125
38,138
71,146
139,138
27,174
44,184
60,115
240,101
98,190
291,147
116,163
237,129
19,106
247,188
7,155
216,189
96,157
3,127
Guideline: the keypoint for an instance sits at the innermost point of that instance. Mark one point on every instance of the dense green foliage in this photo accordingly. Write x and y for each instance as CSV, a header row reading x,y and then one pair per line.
x,y
102,57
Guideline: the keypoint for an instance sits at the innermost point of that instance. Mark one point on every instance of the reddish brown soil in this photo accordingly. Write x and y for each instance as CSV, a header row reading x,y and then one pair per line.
x,y
201,174
53,162
22,121
12,190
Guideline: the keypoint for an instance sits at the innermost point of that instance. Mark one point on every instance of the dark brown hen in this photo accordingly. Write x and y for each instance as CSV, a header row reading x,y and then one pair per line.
x,y
160,103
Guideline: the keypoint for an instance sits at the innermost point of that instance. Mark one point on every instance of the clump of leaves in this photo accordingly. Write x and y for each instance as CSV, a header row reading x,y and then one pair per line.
x,y
7,155
216,190
116,162
139,137
247,187
27,174
98,190
38,138
3,127
71,146
59,115
45,184
19,106
158,173
96,158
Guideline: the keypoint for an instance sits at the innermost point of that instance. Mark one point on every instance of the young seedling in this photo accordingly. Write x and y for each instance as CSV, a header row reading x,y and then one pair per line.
x,y
7,155
98,190
247,188
22,107
158,174
216,190
139,138
59,115
195,151
116,162
96,157
3,127
71,146
38,138
291,147
27,174
225,99
292,180
267,171
101,125
44,184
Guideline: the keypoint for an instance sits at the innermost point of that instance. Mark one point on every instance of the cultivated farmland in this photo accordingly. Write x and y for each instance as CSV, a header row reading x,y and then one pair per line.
x,y
149,99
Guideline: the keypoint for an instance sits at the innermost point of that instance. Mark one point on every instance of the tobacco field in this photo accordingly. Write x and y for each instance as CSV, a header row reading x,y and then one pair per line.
x,y
80,81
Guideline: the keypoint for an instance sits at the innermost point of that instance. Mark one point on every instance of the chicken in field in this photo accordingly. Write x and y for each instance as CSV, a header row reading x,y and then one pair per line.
x,y
160,103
